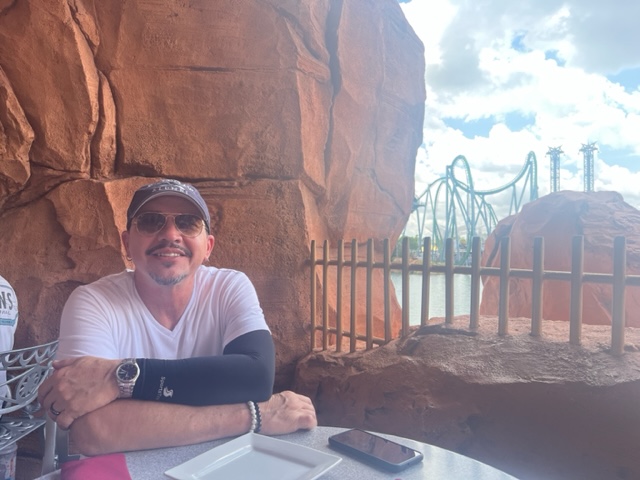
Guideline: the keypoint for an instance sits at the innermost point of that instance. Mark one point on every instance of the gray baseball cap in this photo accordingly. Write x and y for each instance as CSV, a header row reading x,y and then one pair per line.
x,y
167,187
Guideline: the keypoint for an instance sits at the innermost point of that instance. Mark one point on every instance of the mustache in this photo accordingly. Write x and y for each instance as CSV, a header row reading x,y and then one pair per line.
x,y
165,244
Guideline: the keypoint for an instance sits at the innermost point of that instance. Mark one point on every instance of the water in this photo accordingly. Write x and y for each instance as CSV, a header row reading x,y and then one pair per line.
x,y
461,294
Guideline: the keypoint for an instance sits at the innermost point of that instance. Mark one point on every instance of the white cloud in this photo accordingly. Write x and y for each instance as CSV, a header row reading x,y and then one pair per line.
x,y
434,19
544,61
605,34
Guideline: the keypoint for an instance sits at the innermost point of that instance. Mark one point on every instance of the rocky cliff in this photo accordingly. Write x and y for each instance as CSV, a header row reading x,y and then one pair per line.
x,y
297,120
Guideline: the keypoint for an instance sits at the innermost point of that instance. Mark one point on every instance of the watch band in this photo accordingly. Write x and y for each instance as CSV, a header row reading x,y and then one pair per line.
x,y
126,389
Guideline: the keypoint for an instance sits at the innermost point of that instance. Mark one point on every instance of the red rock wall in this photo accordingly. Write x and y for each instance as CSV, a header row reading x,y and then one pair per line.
x,y
298,120
599,217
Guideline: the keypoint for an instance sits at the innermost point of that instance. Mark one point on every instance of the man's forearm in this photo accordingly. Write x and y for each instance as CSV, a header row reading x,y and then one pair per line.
x,y
126,425
217,380
245,372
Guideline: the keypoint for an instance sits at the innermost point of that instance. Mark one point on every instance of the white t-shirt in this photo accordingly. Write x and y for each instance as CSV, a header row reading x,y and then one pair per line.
x,y
8,324
108,319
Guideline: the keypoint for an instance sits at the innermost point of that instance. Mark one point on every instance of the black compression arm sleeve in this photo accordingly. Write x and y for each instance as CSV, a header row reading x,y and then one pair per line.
x,y
244,372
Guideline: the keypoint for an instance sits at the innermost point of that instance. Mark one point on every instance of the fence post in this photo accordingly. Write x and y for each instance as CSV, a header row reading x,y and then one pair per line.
x,y
537,287
313,294
353,310
448,281
405,287
369,295
474,306
325,295
577,274
339,272
387,290
426,280
618,307
505,268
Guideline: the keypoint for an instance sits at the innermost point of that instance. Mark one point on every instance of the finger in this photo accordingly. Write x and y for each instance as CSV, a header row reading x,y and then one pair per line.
x,y
64,420
44,390
54,411
307,419
308,422
65,362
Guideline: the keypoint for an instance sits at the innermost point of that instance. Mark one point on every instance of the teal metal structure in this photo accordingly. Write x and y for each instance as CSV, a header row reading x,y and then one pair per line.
x,y
554,153
466,211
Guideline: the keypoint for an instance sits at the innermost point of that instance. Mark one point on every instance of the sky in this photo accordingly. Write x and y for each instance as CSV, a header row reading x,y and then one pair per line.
x,y
505,78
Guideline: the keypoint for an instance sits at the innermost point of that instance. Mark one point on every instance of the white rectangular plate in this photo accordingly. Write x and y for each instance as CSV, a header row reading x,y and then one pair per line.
x,y
256,456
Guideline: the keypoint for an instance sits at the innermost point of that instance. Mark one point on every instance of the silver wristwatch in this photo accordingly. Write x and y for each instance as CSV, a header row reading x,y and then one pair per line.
x,y
126,375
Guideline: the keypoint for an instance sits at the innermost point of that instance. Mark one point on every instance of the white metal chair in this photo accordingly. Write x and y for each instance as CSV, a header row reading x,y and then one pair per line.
x,y
24,371
56,447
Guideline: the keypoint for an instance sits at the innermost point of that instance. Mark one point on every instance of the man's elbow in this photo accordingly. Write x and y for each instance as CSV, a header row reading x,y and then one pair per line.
x,y
263,392
263,384
89,437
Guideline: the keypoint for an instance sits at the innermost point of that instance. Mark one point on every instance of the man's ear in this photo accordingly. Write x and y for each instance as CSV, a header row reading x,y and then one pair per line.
x,y
211,241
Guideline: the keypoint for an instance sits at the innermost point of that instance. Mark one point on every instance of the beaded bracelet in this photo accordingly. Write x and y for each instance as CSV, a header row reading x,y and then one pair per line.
x,y
254,416
258,419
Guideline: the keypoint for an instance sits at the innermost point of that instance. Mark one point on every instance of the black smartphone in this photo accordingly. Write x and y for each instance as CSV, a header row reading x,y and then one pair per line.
x,y
375,450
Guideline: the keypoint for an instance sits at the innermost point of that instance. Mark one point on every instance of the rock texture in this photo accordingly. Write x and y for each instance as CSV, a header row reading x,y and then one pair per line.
x,y
533,408
16,137
298,120
599,217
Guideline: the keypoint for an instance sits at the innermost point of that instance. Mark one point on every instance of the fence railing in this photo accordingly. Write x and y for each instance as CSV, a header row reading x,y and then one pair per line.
x,y
347,328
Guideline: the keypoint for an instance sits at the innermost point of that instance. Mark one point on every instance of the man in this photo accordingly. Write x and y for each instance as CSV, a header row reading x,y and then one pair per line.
x,y
171,353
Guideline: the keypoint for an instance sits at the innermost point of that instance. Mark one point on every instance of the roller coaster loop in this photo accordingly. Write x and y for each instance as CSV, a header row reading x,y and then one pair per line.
x,y
464,204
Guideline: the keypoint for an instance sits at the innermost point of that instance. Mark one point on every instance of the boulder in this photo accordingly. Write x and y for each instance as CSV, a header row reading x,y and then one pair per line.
x,y
558,217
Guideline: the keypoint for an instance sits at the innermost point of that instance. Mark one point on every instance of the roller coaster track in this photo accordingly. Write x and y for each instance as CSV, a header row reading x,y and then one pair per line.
x,y
467,212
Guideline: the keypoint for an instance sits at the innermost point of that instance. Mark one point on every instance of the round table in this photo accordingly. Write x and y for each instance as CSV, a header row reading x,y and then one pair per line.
x,y
438,463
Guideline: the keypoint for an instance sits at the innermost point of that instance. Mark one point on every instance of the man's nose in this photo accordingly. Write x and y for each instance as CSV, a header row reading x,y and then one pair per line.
x,y
169,229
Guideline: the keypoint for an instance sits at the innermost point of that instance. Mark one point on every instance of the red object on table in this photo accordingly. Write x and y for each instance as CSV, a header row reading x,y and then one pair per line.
x,y
103,467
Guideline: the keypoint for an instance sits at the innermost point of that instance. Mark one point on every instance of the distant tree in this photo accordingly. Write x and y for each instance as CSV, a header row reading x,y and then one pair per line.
x,y
415,246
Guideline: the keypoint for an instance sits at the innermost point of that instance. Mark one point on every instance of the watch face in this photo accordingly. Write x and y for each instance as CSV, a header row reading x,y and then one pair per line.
x,y
127,372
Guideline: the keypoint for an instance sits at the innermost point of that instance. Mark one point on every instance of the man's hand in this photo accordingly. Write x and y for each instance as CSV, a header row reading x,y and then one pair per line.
x,y
78,386
287,412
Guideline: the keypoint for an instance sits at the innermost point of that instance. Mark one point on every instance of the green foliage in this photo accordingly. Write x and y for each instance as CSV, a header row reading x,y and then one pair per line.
x,y
415,246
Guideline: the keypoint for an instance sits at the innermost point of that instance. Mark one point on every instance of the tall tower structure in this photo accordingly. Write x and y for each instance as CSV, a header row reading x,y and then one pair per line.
x,y
555,153
587,151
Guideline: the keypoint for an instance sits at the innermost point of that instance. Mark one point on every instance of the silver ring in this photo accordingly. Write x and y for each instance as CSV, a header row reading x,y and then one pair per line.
x,y
54,411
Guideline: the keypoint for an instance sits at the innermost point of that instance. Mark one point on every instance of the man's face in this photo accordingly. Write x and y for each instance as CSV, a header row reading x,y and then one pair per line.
x,y
167,257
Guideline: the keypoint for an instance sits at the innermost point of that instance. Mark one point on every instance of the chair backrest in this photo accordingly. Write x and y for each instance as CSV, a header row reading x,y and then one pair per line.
x,y
23,371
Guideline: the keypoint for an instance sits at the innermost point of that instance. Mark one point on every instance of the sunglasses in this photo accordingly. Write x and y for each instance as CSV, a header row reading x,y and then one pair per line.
x,y
150,223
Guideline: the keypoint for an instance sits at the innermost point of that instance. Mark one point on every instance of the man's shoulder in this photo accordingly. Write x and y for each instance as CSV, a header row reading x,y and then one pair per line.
x,y
208,272
220,279
106,284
